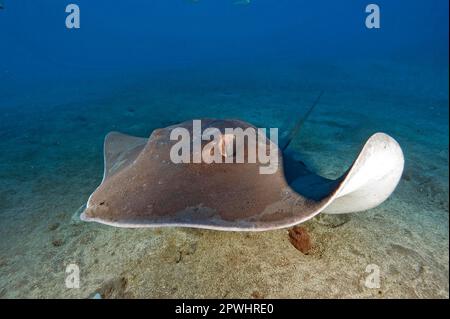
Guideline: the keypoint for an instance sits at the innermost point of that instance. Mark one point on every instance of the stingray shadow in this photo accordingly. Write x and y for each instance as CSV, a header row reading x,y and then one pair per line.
x,y
303,181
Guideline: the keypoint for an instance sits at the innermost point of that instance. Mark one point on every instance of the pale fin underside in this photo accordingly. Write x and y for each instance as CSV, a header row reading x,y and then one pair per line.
x,y
370,180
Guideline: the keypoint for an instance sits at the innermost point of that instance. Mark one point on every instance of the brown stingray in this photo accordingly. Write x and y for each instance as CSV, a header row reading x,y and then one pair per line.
x,y
142,187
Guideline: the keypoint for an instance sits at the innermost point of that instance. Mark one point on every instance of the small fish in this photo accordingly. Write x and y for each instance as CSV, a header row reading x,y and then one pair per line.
x,y
242,2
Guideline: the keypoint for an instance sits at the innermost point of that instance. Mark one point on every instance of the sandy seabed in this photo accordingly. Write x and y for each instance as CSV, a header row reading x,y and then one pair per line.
x,y
54,161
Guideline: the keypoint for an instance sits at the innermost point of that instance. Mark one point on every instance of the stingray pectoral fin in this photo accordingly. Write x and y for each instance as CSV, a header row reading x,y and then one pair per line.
x,y
371,179
119,150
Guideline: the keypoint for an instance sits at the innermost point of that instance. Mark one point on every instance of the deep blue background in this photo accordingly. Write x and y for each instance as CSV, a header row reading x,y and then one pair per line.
x,y
147,35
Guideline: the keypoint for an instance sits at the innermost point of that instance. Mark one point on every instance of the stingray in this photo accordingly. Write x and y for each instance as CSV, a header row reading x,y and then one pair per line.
x,y
143,187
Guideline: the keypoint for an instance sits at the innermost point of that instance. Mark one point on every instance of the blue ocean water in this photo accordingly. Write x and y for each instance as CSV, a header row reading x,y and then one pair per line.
x,y
134,66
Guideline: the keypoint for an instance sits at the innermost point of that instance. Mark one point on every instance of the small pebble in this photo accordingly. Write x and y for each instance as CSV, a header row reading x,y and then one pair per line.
x,y
53,226
300,239
57,242
257,295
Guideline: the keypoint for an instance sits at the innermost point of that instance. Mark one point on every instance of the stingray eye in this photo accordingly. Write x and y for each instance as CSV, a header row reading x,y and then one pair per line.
x,y
227,145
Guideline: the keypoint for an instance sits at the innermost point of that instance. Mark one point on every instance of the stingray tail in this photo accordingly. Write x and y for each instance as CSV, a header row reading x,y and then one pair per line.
x,y
300,122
